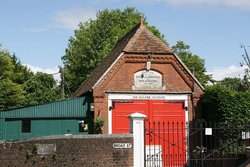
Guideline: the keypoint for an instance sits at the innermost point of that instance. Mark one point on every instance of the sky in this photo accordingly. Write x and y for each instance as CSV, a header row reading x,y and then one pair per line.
x,y
37,31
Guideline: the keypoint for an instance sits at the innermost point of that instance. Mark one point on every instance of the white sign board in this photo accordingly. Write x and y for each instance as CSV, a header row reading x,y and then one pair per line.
x,y
208,131
147,79
122,145
153,156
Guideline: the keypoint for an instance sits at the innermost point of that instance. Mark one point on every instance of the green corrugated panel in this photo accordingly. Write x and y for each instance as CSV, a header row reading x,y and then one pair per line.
x,y
64,108
1,129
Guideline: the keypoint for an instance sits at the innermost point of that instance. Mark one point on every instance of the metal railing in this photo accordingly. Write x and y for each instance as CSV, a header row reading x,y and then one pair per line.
x,y
195,144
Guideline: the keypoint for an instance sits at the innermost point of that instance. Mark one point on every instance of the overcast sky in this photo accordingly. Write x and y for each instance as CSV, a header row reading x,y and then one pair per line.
x,y
37,31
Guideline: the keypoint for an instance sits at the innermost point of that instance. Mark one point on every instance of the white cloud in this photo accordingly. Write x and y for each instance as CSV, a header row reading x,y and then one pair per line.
x,y
37,29
231,71
54,71
243,4
71,18
68,19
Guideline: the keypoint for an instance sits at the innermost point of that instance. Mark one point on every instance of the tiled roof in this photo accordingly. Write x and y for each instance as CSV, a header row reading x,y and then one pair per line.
x,y
144,41
138,40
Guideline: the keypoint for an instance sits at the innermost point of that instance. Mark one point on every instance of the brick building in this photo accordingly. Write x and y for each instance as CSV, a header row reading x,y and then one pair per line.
x,y
141,74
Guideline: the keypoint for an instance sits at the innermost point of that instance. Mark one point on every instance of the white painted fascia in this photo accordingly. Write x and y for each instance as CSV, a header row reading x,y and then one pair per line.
x,y
103,75
189,71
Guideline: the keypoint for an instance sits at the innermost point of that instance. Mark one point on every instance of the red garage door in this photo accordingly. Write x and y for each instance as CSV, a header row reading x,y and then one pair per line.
x,y
120,112
156,110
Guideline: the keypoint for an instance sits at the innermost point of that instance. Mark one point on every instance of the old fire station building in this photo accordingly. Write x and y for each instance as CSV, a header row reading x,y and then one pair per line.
x,y
141,74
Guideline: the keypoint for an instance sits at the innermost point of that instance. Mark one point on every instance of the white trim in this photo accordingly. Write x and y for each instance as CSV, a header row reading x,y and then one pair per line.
x,y
117,96
99,80
189,71
109,117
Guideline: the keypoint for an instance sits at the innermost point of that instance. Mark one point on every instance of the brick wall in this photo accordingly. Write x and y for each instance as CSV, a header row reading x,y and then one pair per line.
x,y
121,76
71,151
121,79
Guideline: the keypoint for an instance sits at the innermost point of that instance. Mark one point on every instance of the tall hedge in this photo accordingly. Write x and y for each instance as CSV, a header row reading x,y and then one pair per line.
x,y
222,105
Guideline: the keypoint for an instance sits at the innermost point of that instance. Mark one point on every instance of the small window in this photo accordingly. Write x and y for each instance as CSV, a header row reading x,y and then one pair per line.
x,y
26,126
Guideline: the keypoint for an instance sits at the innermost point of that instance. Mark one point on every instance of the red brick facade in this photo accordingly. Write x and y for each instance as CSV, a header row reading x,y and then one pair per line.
x,y
116,73
120,80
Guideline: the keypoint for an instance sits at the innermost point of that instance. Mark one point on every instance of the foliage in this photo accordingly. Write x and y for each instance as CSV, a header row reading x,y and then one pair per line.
x,y
222,105
41,88
20,87
235,84
193,62
98,125
12,94
11,90
94,40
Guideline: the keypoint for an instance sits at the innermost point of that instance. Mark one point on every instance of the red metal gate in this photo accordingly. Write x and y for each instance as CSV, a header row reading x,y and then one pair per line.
x,y
166,144
165,129
156,111
165,134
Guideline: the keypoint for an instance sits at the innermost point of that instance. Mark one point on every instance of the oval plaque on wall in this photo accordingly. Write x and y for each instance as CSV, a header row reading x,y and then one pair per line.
x,y
148,79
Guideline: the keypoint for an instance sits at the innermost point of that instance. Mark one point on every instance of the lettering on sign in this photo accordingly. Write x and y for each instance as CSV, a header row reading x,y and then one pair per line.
x,y
148,79
149,97
122,145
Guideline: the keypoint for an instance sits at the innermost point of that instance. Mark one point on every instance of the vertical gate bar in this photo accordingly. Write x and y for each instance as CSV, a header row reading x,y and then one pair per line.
x,y
183,150
205,139
211,141
173,141
219,133
164,146
184,146
168,146
214,137
171,163
178,145
206,136
145,135
187,155
159,126
154,142
149,142
196,139
201,137
172,150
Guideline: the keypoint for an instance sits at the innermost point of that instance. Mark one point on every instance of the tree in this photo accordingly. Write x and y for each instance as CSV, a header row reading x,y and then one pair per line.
x,y
94,40
41,88
19,87
235,84
11,92
193,62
